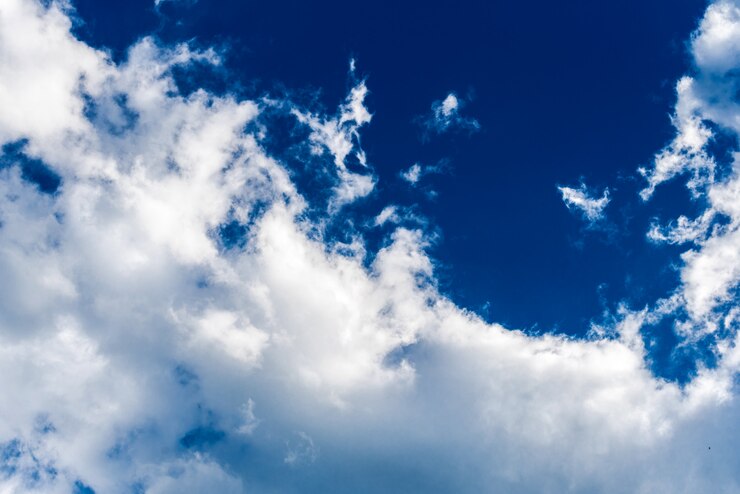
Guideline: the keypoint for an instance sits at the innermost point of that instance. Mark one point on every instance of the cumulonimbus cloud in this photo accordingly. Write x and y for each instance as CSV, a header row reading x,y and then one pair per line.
x,y
142,352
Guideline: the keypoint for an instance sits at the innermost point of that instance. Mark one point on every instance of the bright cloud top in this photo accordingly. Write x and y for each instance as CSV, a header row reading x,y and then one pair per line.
x,y
580,199
141,350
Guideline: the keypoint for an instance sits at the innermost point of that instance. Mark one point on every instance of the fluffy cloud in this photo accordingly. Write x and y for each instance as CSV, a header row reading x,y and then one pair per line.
x,y
580,200
142,351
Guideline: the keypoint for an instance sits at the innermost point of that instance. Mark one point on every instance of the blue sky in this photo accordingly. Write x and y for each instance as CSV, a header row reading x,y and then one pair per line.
x,y
555,109
571,93
292,247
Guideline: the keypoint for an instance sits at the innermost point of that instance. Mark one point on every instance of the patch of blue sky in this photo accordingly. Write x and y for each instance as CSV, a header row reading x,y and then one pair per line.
x,y
32,169
81,488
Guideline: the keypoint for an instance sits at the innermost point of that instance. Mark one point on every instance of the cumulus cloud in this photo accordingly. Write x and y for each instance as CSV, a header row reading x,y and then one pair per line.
x,y
141,352
445,117
580,199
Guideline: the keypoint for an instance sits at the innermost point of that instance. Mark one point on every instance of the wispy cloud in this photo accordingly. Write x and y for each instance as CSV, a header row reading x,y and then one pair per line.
x,y
711,269
581,200
445,117
339,135
413,174
417,171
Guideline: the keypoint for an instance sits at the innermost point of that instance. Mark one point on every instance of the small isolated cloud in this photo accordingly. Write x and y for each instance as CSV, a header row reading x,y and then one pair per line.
x,y
580,199
399,215
388,214
417,171
413,174
445,117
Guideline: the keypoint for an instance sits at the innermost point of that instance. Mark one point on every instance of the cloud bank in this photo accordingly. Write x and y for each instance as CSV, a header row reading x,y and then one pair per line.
x,y
143,349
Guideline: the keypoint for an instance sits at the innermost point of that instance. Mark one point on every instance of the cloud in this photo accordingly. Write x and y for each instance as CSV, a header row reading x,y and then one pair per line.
x,y
706,100
683,229
388,214
157,3
413,174
445,117
686,153
417,171
579,199
399,215
139,353
340,136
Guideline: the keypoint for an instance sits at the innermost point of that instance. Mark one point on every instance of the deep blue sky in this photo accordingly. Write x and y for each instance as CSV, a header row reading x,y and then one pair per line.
x,y
563,91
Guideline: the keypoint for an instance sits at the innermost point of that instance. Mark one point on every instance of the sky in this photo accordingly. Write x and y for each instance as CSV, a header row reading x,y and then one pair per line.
x,y
438,247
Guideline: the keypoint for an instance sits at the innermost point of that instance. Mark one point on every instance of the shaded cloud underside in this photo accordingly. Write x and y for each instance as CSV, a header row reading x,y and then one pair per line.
x,y
140,353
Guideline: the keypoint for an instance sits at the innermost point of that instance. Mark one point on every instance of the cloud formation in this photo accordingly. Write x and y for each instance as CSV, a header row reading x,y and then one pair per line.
x,y
579,199
413,174
340,136
445,117
143,351
706,100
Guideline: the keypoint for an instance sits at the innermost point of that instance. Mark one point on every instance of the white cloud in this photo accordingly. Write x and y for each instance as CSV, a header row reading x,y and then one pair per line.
x,y
340,136
683,229
445,116
388,214
686,151
448,107
136,352
413,174
716,46
711,269
417,171
580,199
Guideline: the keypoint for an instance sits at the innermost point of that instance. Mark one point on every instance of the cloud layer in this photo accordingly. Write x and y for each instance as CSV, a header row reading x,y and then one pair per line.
x,y
171,319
